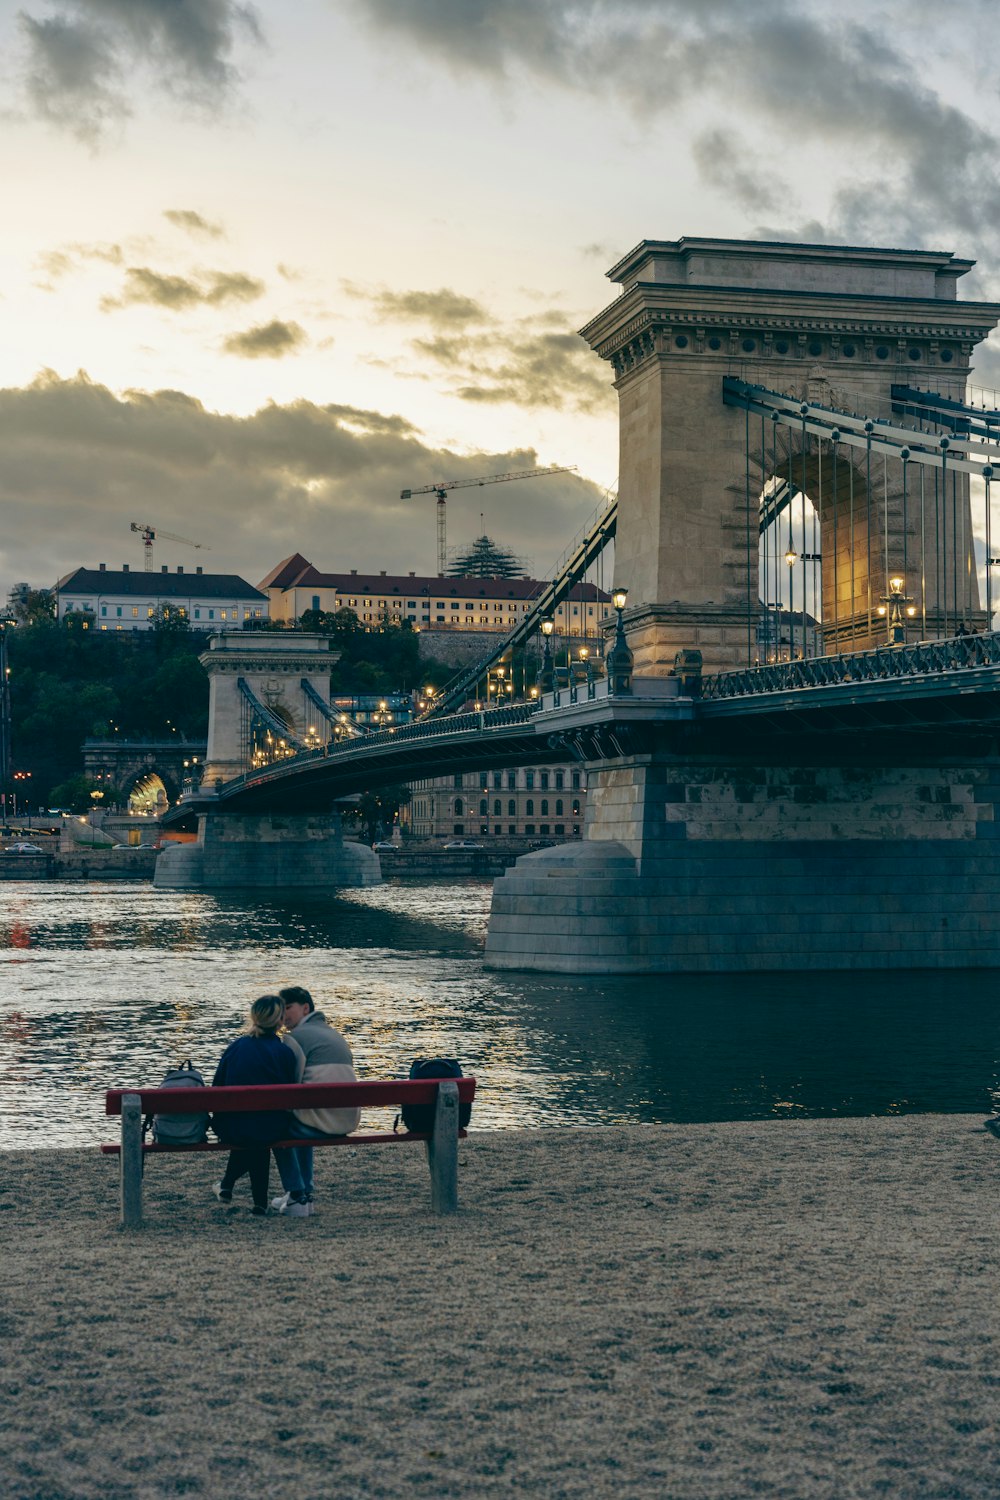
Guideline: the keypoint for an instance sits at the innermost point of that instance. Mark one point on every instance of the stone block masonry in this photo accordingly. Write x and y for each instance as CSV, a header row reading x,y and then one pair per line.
x,y
692,866
267,852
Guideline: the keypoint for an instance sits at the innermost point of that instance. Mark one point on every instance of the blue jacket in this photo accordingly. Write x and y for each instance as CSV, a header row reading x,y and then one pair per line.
x,y
249,1060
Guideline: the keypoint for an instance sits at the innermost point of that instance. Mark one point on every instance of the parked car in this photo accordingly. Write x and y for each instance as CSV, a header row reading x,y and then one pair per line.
x,y
463,844
22,848
383,845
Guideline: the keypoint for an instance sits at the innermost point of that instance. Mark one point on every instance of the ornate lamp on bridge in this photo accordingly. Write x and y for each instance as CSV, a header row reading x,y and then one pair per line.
x,y
892,607
619,658
547,679
584,654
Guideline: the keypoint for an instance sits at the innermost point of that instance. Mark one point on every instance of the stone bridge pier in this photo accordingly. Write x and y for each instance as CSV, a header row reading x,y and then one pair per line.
x,y
263,687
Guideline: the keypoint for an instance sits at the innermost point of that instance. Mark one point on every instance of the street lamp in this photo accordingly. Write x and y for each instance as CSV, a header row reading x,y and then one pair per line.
x,y
547,677
619,658
892,607
584,654
95,800
7,621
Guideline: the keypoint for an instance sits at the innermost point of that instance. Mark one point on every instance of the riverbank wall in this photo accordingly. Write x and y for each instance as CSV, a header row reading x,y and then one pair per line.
x,y
803,1310
81,863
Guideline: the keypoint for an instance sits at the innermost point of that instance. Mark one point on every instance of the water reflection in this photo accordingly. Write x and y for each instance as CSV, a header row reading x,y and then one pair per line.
x,y
102,987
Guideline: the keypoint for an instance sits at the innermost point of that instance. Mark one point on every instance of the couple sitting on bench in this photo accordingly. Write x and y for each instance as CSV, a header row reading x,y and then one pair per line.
x,y
311,1051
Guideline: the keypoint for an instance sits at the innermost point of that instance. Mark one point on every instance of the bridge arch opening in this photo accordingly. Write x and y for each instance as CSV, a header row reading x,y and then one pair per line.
x,y
834,526
149,794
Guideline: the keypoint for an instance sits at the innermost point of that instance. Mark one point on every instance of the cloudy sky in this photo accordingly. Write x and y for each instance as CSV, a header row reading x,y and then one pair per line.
x,y
265,264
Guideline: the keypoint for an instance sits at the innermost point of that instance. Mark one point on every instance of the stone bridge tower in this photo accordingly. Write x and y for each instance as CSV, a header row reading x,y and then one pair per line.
x,y
274,665
834,324
270,851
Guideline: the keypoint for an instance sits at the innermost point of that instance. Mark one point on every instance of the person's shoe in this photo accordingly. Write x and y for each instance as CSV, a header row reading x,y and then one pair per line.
x,y
296,1208
222,1193
260,1211
280,1204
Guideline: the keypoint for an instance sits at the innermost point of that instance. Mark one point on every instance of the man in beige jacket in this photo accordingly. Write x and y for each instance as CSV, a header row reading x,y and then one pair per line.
x,y
322,1056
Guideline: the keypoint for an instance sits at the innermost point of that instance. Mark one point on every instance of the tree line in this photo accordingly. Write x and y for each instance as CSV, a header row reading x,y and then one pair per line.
x,y
70,682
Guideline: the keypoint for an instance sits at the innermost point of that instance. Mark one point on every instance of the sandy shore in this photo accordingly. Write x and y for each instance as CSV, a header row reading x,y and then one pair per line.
x,y
794,1309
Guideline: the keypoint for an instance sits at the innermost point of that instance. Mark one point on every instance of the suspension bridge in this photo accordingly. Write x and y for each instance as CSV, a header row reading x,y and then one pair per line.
x,y
797,434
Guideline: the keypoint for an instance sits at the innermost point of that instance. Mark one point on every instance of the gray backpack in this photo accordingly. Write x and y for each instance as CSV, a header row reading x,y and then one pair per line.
x,y
181,1130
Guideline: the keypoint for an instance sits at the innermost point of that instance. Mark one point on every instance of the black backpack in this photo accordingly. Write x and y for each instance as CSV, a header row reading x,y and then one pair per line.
x,y
419,1118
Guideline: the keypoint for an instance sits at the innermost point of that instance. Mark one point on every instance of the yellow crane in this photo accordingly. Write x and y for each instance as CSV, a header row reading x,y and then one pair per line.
x,y
149,535
442,489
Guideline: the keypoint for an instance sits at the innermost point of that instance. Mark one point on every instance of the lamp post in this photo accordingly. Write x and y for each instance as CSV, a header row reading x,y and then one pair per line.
x,y
892,607
619,658
7,622
546,679
95,800
584,654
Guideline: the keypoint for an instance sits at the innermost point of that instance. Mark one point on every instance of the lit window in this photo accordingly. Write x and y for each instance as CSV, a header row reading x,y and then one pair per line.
x,y
135,611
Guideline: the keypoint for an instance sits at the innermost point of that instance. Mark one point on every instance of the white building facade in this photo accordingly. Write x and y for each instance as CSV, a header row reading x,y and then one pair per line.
x,y
126,600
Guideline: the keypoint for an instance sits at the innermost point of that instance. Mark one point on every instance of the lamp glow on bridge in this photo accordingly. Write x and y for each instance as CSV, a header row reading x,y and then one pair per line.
x,y
892,608
547,677
619,658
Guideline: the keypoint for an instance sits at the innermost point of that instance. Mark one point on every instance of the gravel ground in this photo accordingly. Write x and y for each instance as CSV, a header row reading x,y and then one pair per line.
x,y
706,1312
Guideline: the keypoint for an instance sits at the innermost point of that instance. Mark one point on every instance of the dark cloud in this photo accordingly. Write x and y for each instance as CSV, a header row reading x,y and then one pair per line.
x,y
539,360
321,479
266,340
529,365
726,165
441,309
82,57
777,74
194,223
177,293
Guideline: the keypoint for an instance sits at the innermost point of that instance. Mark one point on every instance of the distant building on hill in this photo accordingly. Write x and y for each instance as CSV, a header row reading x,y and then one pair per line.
x,y
426,603
123,600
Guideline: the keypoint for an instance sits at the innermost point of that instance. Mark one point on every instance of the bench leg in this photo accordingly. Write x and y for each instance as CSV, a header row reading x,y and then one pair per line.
x,y
131,1162
442,1151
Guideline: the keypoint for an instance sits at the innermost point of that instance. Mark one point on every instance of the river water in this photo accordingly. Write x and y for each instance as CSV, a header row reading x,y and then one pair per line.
x,y
102,986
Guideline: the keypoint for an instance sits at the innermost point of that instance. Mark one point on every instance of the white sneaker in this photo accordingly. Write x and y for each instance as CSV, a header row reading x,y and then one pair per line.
x,y
280,1204
295,1210
223,1194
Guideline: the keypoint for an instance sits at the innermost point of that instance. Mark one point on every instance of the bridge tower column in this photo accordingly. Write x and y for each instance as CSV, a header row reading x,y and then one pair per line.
x,y
273,665
806,321
274,847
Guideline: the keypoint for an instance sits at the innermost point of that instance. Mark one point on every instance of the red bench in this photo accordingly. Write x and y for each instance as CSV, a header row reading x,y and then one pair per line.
x,y
446,1094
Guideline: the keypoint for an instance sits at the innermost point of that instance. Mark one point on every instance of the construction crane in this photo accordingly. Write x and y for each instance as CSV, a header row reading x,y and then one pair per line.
x,y
441,491
149,535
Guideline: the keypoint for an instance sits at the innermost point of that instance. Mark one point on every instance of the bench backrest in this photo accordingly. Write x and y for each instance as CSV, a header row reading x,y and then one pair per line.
x,y
268,1096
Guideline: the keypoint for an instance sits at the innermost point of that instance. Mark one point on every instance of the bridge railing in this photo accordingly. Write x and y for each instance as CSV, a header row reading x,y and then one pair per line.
x,y
877,665
423,729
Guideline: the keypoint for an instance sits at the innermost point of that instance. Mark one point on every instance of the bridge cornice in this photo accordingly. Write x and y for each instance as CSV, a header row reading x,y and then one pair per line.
x,y
647,319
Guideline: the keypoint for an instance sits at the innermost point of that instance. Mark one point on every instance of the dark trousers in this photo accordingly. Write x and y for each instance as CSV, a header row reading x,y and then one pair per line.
x,y
253,1162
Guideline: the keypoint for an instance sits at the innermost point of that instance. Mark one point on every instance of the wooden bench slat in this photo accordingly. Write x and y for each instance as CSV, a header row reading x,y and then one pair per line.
x,y
271,1096
383,1138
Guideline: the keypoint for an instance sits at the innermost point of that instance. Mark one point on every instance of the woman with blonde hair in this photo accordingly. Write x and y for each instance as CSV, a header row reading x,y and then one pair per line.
x,y
256,1057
